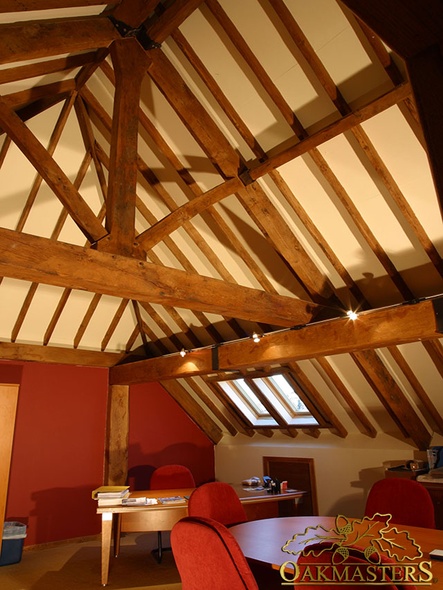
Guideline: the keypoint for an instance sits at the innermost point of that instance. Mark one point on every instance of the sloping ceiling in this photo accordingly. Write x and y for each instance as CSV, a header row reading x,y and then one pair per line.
x,y
180,174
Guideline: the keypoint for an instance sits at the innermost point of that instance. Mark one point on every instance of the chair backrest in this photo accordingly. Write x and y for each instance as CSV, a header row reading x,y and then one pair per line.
x,y
171,476
347,567
408,502
219,501
208,556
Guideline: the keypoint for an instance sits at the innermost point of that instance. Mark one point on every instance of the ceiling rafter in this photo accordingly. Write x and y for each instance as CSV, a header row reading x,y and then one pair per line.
x,y
68,63
194,116
395,192
162,25
181,396
253,63
211,405
414,32
319,408
400,409
338,384
257,169
52,173
419,390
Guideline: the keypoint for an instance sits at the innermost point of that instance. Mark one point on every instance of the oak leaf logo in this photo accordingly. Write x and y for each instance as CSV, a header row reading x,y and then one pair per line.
x,y
372,537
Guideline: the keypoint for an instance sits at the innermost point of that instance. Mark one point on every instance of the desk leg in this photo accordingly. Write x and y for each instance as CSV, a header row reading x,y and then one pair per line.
x,y
117,533
106,545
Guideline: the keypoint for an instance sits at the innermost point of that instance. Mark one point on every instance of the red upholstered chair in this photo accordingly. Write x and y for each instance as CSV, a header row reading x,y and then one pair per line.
x,y
219,501
322,555
170,477
208,556
406,500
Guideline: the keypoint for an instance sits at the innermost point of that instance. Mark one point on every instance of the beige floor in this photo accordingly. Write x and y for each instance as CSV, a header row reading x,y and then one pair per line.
x,y
77,565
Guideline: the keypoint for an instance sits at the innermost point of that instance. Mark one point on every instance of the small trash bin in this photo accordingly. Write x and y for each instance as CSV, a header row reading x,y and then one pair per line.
x,y
14,534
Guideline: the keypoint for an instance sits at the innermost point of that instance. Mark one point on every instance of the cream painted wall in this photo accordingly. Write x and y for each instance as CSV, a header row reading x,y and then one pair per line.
x,y
345,469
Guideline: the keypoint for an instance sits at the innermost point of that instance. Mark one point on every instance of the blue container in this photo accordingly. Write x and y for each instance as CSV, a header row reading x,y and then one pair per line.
x,y
14,534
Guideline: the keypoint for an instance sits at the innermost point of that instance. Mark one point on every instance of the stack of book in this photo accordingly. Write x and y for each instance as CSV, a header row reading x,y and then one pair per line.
x,y
110,495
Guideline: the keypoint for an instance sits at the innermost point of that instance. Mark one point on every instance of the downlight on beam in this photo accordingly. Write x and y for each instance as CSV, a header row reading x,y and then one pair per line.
x,y
352,315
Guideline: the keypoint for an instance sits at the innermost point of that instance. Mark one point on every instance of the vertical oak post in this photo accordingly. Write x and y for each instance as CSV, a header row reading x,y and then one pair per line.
x,y
117,435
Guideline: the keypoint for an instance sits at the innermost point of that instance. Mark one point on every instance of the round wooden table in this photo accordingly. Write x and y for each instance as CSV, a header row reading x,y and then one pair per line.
x,y
262,540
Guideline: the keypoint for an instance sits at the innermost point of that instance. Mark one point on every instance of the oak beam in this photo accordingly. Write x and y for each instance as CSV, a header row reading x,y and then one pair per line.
x,y
29,40
62,64
19,5
50,92
177,12
58,355
51,173
196,118
36,259
163,228
117,436
134,12
267,217
130,63
372,329
257,169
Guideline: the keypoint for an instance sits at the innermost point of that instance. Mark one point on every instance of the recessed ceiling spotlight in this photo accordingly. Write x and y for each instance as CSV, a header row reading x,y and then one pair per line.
x,y
352,315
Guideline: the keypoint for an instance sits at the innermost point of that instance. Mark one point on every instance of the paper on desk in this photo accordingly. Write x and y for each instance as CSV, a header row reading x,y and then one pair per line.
x,y
142,501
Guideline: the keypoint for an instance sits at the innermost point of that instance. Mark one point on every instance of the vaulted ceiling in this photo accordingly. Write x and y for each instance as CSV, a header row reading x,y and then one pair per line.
x,y
178,175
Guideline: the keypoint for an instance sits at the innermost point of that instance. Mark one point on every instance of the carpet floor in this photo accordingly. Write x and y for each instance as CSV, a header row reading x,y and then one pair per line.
x,y
76,565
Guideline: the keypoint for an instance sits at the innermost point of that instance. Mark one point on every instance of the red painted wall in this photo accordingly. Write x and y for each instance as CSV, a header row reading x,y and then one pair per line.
x,y
161,433
58,450
59,445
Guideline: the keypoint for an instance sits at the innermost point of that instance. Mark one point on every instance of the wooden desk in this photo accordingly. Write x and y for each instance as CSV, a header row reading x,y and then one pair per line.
x,y
161,517
261,541
259,504
133,519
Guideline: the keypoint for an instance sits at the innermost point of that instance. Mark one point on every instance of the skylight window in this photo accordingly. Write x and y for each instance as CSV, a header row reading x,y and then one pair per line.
x,y
271,400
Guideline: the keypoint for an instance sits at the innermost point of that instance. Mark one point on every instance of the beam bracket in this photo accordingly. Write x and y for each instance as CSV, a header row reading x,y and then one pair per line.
x,y
139,33
214,358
